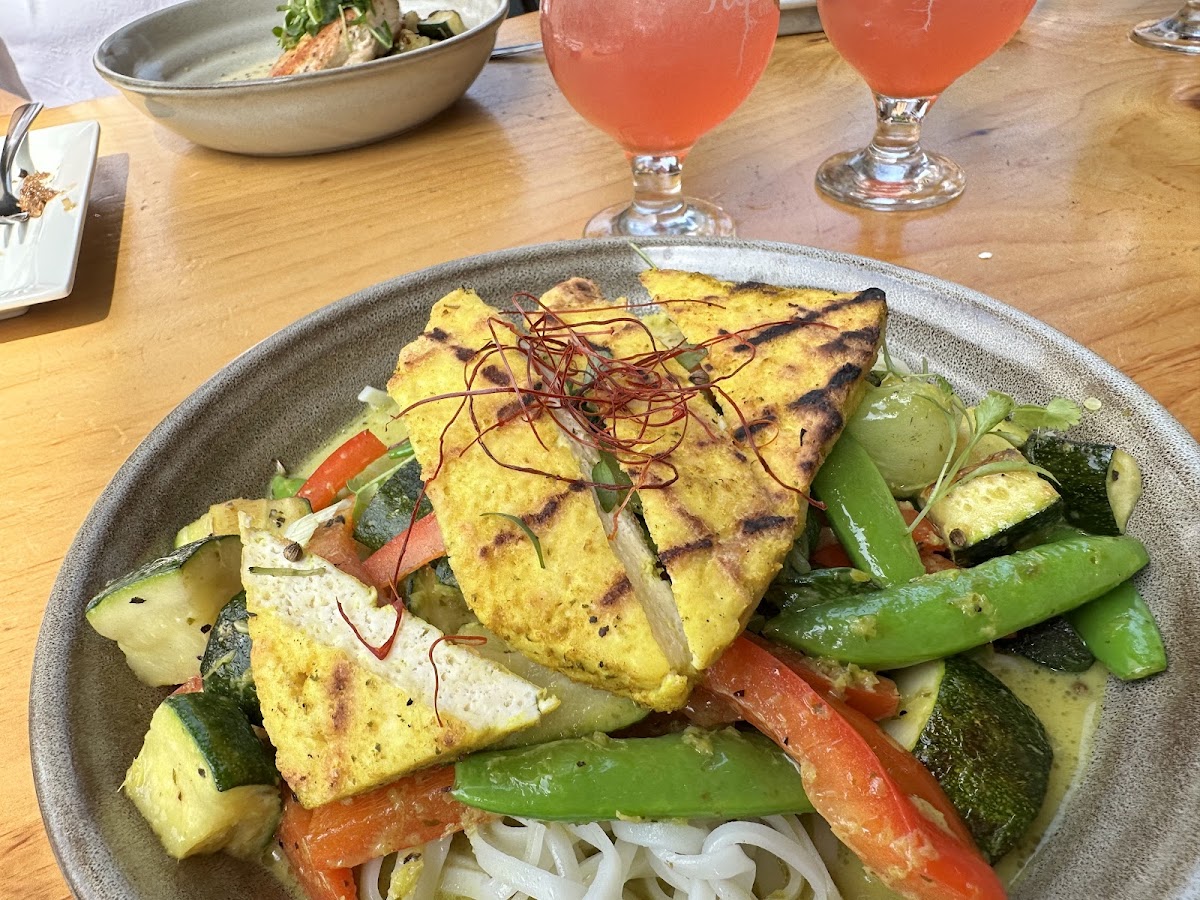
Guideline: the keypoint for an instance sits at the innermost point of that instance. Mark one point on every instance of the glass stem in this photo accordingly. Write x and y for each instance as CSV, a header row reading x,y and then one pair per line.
x,y
657,185
897,140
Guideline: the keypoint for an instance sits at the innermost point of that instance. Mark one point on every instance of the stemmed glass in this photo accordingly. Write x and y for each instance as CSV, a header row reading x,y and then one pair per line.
x,y
656,75
908,52
1178,32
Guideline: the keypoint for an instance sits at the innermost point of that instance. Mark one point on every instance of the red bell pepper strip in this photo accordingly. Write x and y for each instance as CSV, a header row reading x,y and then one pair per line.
x,y
831,556
193,685
406,813
334,542
420,545
876,797
339,467
319,882
875,696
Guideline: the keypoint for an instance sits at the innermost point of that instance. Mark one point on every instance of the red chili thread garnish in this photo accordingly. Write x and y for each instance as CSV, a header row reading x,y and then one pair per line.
x,y
474,640
615,405
385,648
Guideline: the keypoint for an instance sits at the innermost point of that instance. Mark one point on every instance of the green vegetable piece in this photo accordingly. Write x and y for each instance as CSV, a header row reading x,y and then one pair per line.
x,y
818,586
1054,644
608,471
987,512
1099,483
583,710
986,748
225,667
235,755
390,511
203,780
907,428
284,486
1120,630
948,612
441,24
160,614
863,515
723,774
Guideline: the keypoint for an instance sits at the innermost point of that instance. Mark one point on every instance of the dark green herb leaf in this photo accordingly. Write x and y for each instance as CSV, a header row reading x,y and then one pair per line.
x,y
286,573
520,523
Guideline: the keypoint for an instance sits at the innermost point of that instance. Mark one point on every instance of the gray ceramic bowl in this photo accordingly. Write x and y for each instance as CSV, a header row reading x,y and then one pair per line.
x,y
1128,833
199,69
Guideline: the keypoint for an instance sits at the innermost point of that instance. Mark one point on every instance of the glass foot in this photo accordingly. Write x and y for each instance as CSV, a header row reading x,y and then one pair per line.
x,y
861,178
1180,32
689,218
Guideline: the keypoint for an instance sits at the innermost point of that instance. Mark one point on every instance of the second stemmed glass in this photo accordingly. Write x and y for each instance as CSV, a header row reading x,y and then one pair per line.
x,y
908,53
656,75
1179,32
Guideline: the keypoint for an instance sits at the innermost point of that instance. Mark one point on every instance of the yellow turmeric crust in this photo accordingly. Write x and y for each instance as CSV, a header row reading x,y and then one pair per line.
x,y
724,526
799,373
579,614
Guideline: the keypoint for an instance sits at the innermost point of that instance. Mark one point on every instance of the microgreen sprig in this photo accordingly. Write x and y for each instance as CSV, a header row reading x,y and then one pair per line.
x,y
1059,414
520,523
308,17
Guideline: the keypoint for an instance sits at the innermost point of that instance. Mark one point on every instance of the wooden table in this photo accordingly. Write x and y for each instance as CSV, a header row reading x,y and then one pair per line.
x,y
1082,208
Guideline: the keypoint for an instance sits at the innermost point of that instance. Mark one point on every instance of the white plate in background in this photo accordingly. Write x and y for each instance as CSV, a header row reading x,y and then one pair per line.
x,y
38,256
798,17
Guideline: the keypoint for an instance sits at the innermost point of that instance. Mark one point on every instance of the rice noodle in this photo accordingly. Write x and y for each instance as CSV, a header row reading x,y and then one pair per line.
x,y
522,859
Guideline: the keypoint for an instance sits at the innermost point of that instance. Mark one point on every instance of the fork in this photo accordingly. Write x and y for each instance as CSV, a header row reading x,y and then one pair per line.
x,y
18,127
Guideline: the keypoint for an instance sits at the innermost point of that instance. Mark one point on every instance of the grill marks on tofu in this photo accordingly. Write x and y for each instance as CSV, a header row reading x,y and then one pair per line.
x,y
812,350
337,44
718,528
581,614
344,721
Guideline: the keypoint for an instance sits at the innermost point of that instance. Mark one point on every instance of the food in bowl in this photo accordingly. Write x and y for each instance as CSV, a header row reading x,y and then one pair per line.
x,y
582,539
326,34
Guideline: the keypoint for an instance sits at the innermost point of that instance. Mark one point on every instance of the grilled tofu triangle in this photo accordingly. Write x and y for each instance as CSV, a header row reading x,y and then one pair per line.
x,y
583,614
724,526
342,720
800,371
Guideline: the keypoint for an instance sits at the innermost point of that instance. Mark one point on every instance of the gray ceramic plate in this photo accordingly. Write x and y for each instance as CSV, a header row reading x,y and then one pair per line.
x,y
1128,833
199,69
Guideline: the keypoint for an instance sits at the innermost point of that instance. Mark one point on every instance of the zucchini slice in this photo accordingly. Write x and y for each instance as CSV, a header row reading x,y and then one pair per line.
x,y
390,510
203,780
225,667
441,24
160,615
986,748
986,516
222,518
1100,483
1054,644
583,710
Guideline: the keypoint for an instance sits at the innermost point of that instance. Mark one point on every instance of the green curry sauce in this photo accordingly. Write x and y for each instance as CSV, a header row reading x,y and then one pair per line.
x,y
1069,707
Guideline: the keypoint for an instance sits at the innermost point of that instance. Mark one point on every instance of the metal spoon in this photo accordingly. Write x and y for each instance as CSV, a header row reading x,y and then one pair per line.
x,y
514,49
18,127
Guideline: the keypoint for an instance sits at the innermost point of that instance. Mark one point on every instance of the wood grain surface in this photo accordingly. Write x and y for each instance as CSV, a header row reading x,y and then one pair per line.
x,y
1081,151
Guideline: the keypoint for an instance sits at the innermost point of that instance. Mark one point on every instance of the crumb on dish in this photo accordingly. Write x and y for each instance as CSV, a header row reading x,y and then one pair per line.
x,y
36,193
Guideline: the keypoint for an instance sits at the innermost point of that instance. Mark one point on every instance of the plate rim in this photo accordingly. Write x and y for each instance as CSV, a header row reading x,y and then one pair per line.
x,y
71,843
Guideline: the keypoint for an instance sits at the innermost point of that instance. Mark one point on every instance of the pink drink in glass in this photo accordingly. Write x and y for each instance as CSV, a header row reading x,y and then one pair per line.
x,y
656,75
908,52
916,48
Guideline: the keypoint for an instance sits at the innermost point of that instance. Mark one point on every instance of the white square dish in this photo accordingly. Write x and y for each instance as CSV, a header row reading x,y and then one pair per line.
x,y
38,256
